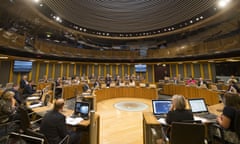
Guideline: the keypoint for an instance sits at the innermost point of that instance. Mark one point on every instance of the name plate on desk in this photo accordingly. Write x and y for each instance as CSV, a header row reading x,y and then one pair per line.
x,y
73,121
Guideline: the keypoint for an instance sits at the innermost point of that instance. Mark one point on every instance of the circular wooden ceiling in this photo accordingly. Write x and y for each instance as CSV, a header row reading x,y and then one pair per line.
x,y
124,16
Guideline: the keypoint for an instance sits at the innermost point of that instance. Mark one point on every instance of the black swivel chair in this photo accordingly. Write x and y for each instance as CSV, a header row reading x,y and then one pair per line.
x,y
186,133
29,120
31,136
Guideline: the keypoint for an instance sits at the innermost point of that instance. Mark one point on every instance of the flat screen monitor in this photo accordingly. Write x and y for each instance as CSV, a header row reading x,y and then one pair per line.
x,y
22,66
141,68
82,108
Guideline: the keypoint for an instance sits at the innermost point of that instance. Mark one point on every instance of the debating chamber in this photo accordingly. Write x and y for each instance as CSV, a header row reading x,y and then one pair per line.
x,y
120,72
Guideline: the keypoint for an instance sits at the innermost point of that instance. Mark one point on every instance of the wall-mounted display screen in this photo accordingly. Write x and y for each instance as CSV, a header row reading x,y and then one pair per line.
x,y
22,66
140,67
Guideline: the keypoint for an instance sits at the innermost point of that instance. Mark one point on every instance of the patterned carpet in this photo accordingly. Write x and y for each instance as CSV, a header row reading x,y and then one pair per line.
x,y
130,106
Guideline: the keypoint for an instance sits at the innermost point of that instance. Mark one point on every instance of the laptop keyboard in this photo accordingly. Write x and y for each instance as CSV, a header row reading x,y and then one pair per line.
x,y
160,116
208,116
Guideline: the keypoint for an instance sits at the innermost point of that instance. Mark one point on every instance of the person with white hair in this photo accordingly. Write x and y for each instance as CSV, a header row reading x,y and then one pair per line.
x,y
178,111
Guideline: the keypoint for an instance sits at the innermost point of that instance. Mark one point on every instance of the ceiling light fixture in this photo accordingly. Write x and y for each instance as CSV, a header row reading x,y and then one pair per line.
x,y
223,3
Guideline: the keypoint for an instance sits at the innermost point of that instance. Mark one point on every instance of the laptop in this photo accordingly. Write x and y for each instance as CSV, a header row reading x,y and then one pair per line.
x,y
161,108
199,108
81,110
42,101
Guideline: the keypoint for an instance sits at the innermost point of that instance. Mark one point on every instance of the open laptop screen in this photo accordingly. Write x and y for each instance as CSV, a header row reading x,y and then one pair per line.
x,y
161,107
197,105
81,108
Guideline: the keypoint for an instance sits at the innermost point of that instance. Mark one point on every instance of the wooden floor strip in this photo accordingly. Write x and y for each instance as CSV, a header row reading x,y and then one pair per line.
x,y
121,127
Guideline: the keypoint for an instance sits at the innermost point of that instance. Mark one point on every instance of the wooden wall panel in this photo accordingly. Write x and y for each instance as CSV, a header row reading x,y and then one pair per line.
x,y
55,70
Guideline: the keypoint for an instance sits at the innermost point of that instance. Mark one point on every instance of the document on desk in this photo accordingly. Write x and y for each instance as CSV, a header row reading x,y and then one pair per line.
x,y
33,98
73,121
162,121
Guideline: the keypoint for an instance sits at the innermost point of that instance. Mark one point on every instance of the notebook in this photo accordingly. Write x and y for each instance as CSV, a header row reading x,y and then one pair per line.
x,y
81,110
161,108
199,108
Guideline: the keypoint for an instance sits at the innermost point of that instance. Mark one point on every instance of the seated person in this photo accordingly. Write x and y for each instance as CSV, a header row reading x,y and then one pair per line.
x,y
108,80
17,96
53,125
96,84
202,83
122,83
178,110
45,79
58,89
86,87
233,87
177,113
226,120
175,80
28,90
232,78
8,105
131,83
23,82
191,81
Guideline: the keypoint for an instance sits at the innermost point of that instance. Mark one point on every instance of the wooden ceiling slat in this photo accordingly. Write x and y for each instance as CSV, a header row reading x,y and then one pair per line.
x,y
128,15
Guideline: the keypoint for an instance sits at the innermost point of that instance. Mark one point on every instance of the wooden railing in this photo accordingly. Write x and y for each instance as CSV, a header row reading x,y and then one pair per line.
x,y
173,50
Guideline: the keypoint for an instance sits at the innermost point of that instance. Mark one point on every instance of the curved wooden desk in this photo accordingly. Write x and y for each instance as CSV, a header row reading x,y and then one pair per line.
x,y
134,92
150,122
91,125
211,96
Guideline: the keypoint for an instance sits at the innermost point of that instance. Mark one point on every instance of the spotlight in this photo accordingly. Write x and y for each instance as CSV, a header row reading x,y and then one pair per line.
x,y
223,3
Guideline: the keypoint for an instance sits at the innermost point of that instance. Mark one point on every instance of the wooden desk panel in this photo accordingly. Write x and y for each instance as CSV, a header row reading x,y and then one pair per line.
x,y
150,121
135,92
91,125
211,97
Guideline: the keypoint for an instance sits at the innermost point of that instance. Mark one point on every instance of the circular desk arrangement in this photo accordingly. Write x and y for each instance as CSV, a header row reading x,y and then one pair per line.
x,y
130,106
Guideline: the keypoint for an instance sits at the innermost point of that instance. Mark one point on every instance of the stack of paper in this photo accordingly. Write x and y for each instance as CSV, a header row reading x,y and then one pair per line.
x,y
73,121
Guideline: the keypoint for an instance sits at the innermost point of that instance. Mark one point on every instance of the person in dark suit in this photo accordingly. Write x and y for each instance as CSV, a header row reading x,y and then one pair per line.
x,y
23,82
58,89
53,125
233,87
28,90
86,87
96,84
108,80
178,110
202,82
175,80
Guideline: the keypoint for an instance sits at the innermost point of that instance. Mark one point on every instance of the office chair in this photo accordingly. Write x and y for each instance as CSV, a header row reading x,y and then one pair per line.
x,y
235,135
30,136
4,124
28,120
186,133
